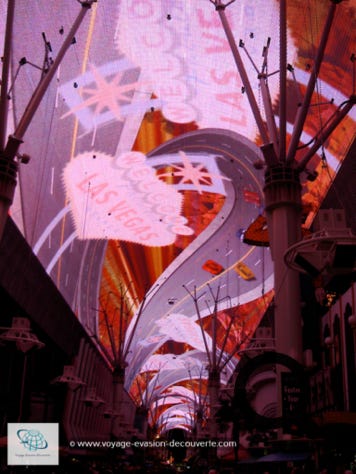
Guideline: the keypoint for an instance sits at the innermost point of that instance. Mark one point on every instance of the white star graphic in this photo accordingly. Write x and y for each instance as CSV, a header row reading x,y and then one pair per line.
x,y
193,174
105,94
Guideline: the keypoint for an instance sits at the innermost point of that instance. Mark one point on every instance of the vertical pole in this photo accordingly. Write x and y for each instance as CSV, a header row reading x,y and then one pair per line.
x,y
283,210
22,391
8,167
343,350
8,182
271,124
352,320
214,322
282,79
4,100
213,387
117,403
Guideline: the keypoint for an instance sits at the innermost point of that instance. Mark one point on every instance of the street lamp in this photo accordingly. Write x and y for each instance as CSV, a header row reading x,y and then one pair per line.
x,y
20,333
70,378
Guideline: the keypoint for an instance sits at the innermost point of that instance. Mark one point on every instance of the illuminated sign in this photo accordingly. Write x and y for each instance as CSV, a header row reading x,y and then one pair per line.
x,y
192,82
123,199
107,93
181,328
252,197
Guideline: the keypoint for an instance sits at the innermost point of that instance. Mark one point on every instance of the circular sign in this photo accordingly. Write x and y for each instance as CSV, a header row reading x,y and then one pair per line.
x,y
247,369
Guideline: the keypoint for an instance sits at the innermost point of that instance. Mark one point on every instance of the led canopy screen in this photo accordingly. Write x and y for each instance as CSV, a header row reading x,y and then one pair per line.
x,y
146,170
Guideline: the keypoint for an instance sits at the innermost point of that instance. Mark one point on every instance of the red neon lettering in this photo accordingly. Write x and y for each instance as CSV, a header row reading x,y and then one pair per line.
x,y
85,184
178,113
159,38
171,90
126,213
229,98
156,198
225,78
182,230
242,121
146,237
169,209
140,172
212,22
133,222
224,45
232,98
145,11
171,218
145,186
95,190
168,64
106,197
141,229
149,41
119,205
131,158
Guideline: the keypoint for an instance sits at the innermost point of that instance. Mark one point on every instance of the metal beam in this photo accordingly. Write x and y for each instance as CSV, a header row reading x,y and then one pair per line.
x,y
8,162
282,79
244,77
303,111
4,100
324,134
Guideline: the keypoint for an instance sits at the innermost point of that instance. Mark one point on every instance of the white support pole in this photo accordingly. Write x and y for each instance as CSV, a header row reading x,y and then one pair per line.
x,y
271,124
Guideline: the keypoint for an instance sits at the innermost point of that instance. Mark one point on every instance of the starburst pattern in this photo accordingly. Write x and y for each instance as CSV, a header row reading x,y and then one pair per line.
x,y
105,94
194,174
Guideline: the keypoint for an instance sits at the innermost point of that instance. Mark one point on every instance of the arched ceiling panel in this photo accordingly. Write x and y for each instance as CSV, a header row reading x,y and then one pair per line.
x,y
143,173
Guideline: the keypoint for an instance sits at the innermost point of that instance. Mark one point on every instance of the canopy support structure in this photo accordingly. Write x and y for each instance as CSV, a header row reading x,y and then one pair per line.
x,y
9,153
4,98
282,178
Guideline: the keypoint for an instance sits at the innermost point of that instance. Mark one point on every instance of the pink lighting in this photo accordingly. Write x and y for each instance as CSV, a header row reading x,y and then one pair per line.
x,y
192,82
123,199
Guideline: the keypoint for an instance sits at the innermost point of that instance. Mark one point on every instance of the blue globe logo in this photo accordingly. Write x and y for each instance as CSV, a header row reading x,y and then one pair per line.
x,y
33,440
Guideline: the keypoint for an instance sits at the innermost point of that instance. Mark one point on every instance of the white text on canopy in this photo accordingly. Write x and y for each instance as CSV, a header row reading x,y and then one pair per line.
x,y
123,199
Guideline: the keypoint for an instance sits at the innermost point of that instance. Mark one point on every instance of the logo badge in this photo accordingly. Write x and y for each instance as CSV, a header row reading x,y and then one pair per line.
x,y
32,444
